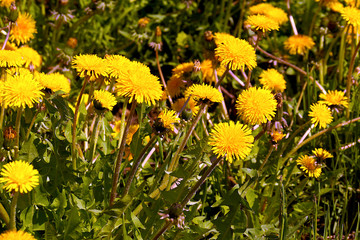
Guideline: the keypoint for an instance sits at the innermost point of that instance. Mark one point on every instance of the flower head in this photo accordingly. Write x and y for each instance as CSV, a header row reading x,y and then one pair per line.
x,y
19,176
207,71
143,22
54,81
298,44
10,59
21,90
334,98
175,85
277,14
321,154
351,15
233,140
139,84
30,56
234,52
6,3
89,65
256,105
183,68
273,80
23,30
168,118
320,114
16,235
105,98
204,93
117,65
309,166
277,136
191,105
262,23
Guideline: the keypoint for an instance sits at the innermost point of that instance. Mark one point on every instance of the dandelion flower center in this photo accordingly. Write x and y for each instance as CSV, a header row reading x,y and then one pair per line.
x,y
309,166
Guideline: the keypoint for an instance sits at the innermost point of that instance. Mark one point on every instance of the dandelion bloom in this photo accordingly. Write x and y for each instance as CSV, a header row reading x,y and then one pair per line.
x,y
175,85
54,81
21,90
23,30
6,3
256,105
351,15
234,52
277,14
233,140
10,59
334,98
143,22
299,44
273,80
207,71
117,64
183,68
30,56
321,154
19,176
336,6
277,136
204,93
191,105
309,166
262,23
168,118
89,65
16,235
320,114
139,84
105,98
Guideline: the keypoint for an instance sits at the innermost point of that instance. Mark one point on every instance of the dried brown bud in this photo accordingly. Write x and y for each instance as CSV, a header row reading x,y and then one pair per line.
x,y
208,36
72,42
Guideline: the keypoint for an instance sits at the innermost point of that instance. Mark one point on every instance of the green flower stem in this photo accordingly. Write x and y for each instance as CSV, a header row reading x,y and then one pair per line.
x,y
120,153
73,142
162,230
342,53
4,215
12,225
122,123
349,77
222,77
32,123
17,130
162,77
298,103
136,165
266,159
95,137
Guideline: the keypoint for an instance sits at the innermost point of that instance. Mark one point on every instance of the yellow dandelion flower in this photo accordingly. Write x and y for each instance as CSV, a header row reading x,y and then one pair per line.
x,y
351,3
220,70
54,81
183,68
256,105
336,6
233,140
191,105
298,44
89,65
168,118
21,90
260,8
309,166
143,22
132,130
19,176
277,136
207,71
262,23
320,114
139,84
234,52
10,59
9,46
105,98
351,15
6,3
23,30
16,235
175,85
334,98
321,154
277,14
204,93
117,65
273,80
30,56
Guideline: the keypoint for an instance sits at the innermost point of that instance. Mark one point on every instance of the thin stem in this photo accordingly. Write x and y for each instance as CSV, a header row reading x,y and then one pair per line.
x,y
2,114
349,75
222,77
236,78
7,36
120,154
12,225
136,165
122,123
17,130
291,18
162,230
73,143
162,76
298,103
95,137
306,134
266,159
4,215
32,123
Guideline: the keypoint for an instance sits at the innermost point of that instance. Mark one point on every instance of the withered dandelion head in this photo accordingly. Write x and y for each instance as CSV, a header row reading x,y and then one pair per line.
x,y
321,154
117,65
320,114
10,59
175,85
168,118
233,140
54,81
19,176
273,80
23,30
262,23
298,44
309,166
277,136
139,84
90,65
351,15
256,105
21,90
234,52
191,105
207,71
16,235
334,98
105,98
204,93
30,56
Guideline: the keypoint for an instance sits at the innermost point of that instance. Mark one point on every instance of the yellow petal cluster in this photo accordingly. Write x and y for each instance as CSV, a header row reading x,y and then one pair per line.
x,y
168,118
105,98
273,80
298,44
320,115
90,65
204,93
334,98
262,23
309,166
54,81
16,235
23,30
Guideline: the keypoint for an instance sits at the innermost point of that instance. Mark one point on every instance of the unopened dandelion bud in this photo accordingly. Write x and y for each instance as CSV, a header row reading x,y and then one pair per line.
x,y
72,42
208,36
9,138
13,13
